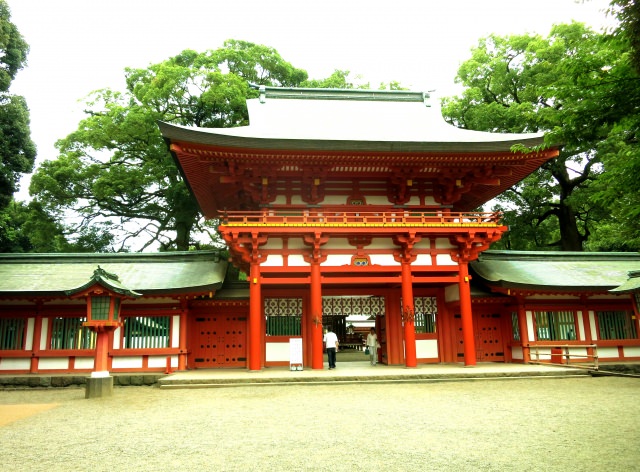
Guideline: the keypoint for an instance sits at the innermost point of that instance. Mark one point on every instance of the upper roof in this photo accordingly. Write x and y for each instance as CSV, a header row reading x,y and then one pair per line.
x,y
555,271
348,120
147,273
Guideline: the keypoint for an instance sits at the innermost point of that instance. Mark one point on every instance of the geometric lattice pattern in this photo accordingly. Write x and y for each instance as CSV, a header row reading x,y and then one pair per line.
x,y
346,306
283,306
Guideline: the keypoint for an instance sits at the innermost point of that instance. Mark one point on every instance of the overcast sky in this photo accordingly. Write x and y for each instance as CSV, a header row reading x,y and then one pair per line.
x,y
82,45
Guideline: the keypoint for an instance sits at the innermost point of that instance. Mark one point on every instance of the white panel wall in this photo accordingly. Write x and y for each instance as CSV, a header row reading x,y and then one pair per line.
x,y
592,324
629,351
44,333
30,328
129,362
604,352
423,260
581,325
445,259
383,260
85,363
273,260
296,260
175,331
51,363
161,361
427,348
15,364
336,260
516,352
530,331
277,352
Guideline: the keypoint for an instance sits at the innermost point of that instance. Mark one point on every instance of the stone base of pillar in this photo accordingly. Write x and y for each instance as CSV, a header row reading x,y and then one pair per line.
x,y
97,387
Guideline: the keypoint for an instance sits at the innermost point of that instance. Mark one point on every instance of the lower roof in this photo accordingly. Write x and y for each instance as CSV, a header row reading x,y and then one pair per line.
x,y
555,271
148,273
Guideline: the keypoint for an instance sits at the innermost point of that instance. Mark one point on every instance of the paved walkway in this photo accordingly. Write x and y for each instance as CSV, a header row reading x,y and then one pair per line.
x,y
360,372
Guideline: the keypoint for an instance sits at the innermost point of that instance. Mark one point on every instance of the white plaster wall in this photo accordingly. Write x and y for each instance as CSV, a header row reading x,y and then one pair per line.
x,y
128,362
117,337
161,361
380,243
605,352
377,200
175,331
15,364
280,200
544,353
530,330
516,352
84,363
277,352
338,243
383,260
50,363
581,325
423,260
296,260
592,324
43,334
629,351
445,260
296,243
337,260
273,260
427,348
443,243
273,243
28,345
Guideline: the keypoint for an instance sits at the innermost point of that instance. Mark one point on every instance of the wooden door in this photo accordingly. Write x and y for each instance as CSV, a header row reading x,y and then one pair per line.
x,y
487,328
218,341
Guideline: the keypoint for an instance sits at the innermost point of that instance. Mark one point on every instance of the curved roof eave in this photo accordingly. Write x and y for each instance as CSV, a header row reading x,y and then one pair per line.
x,y
242,138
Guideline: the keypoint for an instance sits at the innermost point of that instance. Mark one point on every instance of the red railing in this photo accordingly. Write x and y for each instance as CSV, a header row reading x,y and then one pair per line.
x,y
358,218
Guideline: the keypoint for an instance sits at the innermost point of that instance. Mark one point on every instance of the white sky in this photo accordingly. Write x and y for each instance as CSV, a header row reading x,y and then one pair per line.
x,y
82,45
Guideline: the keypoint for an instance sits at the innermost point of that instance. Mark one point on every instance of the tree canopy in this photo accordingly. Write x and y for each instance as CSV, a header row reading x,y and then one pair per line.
x,y
115,169
580,88
17,151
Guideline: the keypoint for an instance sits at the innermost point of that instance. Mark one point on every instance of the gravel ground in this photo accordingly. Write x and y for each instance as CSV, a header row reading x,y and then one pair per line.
x,y
572,424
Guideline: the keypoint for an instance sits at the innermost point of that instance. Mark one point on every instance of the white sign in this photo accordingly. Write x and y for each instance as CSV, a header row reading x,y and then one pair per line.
x,y
295,351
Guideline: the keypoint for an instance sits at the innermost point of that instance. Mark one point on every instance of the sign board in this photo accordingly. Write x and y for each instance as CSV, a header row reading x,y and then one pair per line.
x,y
295,353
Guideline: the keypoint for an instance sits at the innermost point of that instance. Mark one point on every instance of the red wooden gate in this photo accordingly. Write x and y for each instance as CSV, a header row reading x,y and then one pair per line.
x,y
219,341
487,329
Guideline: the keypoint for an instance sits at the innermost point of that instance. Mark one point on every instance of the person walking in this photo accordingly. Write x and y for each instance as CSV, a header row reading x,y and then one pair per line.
x,y
331,343
373,345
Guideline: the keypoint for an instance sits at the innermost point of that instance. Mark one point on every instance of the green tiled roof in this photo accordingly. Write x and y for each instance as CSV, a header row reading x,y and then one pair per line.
x,y
147,273
555,271
632,284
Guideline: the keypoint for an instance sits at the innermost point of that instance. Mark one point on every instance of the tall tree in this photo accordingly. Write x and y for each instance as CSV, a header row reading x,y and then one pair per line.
x,y
17,151
115,168
576,86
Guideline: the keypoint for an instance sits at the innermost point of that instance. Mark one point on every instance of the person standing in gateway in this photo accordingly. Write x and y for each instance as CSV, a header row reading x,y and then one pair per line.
x,y
331,341
373,345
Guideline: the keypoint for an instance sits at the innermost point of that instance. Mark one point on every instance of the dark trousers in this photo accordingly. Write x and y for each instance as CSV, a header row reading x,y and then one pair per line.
x,y
331,355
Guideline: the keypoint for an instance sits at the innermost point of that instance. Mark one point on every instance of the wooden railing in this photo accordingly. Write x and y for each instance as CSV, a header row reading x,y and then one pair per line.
x,y
561,353
391,218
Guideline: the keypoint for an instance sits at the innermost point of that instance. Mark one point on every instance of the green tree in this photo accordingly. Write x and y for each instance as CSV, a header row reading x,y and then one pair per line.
x,y
17,151
576,86
115,169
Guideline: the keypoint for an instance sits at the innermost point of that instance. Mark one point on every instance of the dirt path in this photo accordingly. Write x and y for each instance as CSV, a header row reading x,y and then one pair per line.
x,y
491,425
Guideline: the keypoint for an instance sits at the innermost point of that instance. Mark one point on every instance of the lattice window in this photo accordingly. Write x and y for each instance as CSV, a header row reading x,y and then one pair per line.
x,y
283,316
616,325
12,333
68,333
426,311
515,327
146,332
346,306
555,325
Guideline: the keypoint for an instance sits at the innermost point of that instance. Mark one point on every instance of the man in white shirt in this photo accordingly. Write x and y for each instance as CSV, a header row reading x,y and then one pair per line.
x,y
331,341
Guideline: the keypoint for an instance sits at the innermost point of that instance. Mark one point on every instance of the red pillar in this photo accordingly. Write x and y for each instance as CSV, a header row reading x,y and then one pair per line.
x,y
255,312
35,348
467,318
182,356
407,312
316,317
102,351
